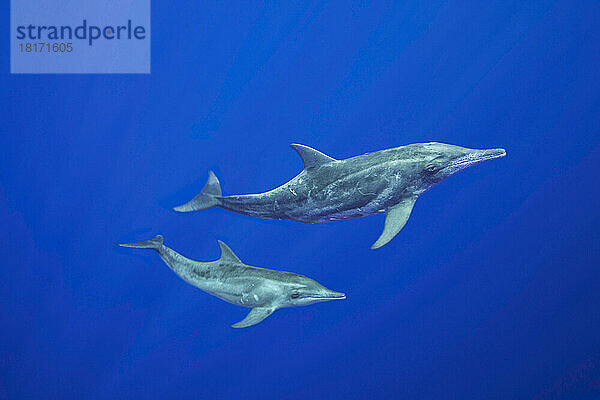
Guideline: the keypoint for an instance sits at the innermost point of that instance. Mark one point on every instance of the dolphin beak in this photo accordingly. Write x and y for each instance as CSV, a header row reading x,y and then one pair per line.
x,y
329,295
490,154
474,157
334,296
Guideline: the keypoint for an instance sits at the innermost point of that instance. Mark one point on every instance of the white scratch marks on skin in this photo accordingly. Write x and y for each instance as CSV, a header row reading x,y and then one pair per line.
x,y
364,194
293,192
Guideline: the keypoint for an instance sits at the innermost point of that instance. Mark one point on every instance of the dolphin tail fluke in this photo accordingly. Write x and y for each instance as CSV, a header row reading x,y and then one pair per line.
x,y
155,243
207,198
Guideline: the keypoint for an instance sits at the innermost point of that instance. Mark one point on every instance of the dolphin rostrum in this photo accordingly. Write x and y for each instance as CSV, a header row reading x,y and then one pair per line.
x,y
263,290
328,189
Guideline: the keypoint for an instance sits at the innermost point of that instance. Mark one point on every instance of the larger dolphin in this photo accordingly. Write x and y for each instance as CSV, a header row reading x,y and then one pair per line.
x,y
228,278
328,189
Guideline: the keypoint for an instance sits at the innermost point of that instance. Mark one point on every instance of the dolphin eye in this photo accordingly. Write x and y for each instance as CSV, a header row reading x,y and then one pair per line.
x,y
431,168
295,295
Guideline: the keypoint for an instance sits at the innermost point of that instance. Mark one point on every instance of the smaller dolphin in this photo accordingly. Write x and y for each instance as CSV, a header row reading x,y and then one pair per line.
x,y
228,278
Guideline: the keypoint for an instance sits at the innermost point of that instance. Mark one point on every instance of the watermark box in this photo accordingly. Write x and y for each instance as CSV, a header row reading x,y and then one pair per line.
x,y
83,36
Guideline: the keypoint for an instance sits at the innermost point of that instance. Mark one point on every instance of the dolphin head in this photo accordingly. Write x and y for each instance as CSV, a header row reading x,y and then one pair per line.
x,y
305,291
434,162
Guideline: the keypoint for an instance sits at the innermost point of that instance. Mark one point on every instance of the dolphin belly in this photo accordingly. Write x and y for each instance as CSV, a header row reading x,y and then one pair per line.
x,y
317,215
355,212
244,290
336,203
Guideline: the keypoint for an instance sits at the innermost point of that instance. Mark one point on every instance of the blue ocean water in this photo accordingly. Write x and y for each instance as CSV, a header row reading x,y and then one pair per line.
x,y
491,291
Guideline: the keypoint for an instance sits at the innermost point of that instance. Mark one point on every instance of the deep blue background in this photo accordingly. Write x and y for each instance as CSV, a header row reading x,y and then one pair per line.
x,y
491,291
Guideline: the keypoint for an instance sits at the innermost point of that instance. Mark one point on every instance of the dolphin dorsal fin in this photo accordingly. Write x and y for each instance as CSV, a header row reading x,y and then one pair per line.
x,y
312,158
227,254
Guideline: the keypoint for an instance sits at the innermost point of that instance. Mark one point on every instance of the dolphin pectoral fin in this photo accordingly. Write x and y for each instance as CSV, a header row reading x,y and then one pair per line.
x,y
255,315
312,158
395,219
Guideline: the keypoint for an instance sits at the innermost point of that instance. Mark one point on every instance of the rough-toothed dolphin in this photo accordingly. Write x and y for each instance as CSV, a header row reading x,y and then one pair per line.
x,y
328,189
228,278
